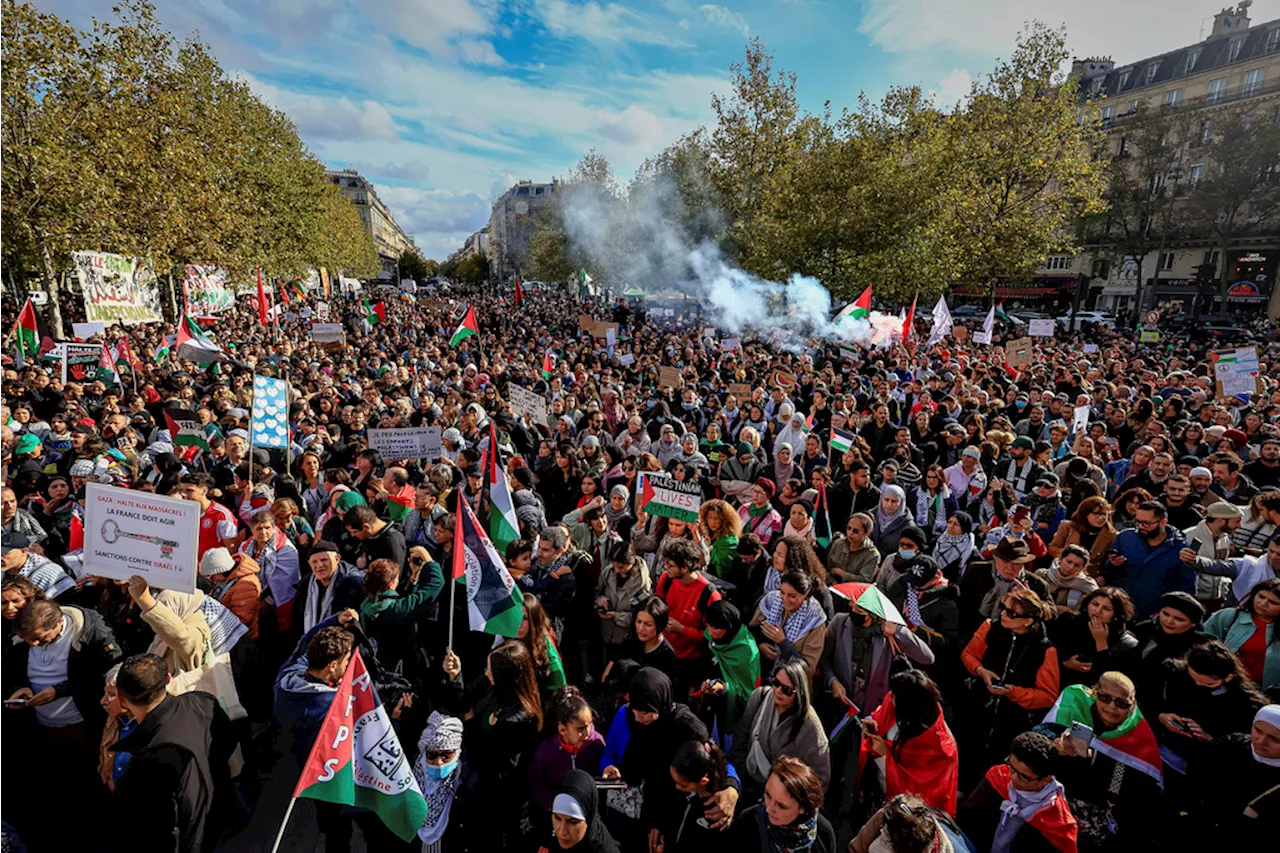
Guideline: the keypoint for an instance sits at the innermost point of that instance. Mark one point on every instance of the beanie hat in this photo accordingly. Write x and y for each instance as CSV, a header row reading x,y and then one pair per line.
x,y
216,561
766,485
1185,603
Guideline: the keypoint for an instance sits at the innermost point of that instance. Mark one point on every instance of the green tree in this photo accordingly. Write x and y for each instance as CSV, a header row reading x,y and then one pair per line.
x,y
1239,194
1020,163
413,265
546,256
473,269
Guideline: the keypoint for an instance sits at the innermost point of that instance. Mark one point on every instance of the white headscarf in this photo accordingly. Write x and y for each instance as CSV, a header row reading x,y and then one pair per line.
x,y
792,434
1267,714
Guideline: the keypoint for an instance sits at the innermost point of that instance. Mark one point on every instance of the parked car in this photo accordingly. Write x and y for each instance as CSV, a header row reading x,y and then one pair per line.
x,y
1098,318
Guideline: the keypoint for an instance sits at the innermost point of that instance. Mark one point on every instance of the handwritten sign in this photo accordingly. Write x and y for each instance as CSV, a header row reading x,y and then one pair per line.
x,y
526,402
663,495
407,443
741,391
1019,352
1040,328
1236,372
670,377
130,533
117,288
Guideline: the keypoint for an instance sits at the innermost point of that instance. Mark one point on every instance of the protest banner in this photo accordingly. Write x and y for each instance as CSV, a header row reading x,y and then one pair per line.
x,y
741,391
960,333
324,283
626,359
1019,352
784,379
526,402
322,310
1236,372
602,329
669,377
117,288
80,362
1090,348
1040,328
406,443
270,423
663,495
328,333
129,533
207,290
84,331
731,345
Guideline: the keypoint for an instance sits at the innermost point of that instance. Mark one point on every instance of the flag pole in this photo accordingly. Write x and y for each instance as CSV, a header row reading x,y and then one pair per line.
x,y
453,586
251,441
283,824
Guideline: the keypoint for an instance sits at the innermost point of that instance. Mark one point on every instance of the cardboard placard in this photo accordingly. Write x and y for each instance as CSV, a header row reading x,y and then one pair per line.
x,y
1019,353
786,380
602,329
741,391
526,402
587,323
407,443
670,377
960,333
128,533
1040,328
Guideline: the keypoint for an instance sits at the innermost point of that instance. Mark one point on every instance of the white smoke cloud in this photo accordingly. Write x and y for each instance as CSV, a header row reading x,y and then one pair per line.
x,y
647,240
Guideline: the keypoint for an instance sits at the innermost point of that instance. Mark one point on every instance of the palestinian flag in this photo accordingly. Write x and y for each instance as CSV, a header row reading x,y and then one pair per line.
x,y
518,299
122,350
294,290
504,528
822,533
357,759
468,327
1132,743
163,348
860,309
494,602
185,429
26,332
194,345
548,364
999,311
841,440
374,314
107,372
909,322
398,507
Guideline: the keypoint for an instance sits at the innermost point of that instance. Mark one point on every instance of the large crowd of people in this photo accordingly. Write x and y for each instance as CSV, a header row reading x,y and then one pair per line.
x,y
922,609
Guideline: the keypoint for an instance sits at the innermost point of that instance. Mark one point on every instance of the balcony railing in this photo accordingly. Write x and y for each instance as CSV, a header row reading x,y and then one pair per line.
x,y
1223,96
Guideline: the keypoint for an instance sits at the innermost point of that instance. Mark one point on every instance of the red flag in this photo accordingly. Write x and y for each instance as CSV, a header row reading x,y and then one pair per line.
x,y
519,298
75,541
262,300
284,294
909,323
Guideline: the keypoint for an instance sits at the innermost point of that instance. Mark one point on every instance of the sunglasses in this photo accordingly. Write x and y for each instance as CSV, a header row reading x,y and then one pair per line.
x,y
1108,699
1013,614
434,755
787,690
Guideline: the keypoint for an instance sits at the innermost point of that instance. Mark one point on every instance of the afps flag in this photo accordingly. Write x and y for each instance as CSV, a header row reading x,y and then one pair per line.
x,y
494,602
357,759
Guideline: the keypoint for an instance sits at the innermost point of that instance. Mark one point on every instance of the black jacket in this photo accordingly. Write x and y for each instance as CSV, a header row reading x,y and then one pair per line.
x,y
1071,636
177,776
93,651
348,593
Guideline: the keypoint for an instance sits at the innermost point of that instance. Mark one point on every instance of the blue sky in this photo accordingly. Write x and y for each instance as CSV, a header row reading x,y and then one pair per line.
x,y
445,103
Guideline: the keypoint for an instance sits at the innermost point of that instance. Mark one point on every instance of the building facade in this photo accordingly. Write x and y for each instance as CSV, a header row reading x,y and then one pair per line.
x,y
512,222
477,244
1235,68
388,237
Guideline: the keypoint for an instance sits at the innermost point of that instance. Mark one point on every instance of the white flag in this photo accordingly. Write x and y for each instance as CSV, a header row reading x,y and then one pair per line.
x,y
988,325
941,322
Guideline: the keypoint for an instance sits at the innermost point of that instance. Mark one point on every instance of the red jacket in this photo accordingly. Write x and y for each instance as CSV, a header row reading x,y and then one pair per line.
x,y
687,604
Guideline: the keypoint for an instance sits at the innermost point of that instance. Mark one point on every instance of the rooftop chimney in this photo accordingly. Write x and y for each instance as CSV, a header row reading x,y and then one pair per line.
x,y
1230,21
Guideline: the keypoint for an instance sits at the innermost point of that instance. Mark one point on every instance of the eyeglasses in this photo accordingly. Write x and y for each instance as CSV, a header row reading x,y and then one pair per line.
x,y
785,689
1025,777
1108,699
1013,614
416,561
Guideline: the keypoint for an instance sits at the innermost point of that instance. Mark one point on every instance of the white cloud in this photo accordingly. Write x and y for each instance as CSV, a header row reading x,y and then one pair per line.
x,y
1126,31
440,220
634,127
599,23
727,19
322,117
429,24
952,89
415,170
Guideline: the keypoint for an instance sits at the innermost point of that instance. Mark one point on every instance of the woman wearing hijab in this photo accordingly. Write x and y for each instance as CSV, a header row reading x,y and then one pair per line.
x,y
792,434
642,740
784,467
618,511
438,771
575,816
789,819
1242,787
891,518
954,546
737,661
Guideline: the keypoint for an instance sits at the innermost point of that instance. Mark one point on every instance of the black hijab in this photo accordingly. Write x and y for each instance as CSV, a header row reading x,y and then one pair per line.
x,y
651,747
723,616
579,785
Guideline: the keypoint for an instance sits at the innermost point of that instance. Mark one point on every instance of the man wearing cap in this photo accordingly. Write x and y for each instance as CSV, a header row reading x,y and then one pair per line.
x,y
1213,535
1022,472
985,584
966,478
331,587
20,561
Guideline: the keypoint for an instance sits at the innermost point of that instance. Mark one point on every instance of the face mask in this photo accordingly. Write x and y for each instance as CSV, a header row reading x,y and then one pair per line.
x,y
904,554
651,403
1021,404
688,407
441,772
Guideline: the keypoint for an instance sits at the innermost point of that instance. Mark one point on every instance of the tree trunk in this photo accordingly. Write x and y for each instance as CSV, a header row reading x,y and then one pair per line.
x,y
51,288
173,301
